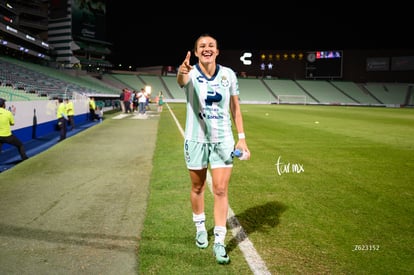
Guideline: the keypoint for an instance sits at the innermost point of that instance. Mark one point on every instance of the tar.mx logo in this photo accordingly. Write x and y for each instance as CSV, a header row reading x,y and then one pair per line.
x,y
285,168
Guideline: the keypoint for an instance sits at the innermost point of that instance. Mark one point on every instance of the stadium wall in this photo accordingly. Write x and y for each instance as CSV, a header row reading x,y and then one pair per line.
x,y
34,119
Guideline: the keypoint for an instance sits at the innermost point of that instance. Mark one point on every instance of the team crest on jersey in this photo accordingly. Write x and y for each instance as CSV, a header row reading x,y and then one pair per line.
x,y
224,81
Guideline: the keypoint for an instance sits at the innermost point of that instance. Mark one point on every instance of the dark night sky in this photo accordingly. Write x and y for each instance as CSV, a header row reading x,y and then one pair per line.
x,y
150,40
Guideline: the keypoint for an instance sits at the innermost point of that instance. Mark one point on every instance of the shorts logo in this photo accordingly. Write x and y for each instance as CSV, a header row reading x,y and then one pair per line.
x,y
187,154
187,157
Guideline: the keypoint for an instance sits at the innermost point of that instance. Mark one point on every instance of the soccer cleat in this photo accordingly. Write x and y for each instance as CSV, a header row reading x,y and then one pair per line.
x,y
201,239
219,251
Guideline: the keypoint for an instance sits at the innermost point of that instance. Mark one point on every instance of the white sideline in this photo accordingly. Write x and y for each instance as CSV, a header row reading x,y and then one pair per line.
x,y
253,259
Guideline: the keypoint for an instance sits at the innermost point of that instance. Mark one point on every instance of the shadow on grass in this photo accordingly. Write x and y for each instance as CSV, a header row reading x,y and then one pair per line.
x,y
259,218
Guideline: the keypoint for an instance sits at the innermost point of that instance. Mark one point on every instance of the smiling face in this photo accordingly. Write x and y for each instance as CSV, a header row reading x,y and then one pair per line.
x,y
206,49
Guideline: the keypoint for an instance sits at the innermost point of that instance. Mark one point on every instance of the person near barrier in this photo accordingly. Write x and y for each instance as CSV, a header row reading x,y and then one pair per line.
x,y
6,135
62,118
70,110
92,109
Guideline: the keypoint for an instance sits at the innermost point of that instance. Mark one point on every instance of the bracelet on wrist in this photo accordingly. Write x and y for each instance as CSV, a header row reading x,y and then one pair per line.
x,y
242,136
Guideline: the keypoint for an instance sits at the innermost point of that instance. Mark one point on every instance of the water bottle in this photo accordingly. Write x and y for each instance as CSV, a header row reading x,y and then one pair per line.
x,y
238,153
241,155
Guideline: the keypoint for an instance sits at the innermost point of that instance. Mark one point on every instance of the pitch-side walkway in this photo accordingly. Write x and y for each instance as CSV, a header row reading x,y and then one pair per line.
x,y
78,207
10,157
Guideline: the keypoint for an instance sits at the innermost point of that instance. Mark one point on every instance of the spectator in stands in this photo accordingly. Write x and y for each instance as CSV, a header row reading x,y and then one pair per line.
x,y
70,110
92,109
160,102
6,135
62,118
212,104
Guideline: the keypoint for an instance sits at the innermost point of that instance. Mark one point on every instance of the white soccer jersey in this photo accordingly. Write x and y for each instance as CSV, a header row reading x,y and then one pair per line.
x,y
208,105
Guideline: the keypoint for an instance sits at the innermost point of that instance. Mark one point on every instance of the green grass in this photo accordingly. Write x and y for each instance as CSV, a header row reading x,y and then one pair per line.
x,y
356,189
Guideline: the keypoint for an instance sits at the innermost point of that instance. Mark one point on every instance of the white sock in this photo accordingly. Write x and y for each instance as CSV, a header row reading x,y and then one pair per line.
x,y
199,221
219,234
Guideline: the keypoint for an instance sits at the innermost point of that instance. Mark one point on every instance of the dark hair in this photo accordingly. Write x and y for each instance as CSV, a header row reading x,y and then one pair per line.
x,y
202,36
2,102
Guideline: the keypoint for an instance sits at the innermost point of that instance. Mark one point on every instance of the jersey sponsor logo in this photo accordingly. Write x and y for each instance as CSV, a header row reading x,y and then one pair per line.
x,y
215,117
212,96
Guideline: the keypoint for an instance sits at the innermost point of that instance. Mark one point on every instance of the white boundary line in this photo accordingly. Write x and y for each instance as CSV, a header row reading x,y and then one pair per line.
x,y
120,116
257,265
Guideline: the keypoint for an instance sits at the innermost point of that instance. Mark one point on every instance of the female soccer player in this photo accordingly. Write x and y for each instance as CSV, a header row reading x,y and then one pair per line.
x,y
212,96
